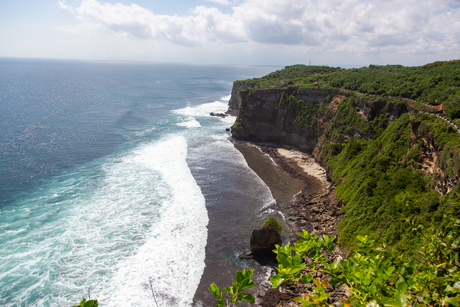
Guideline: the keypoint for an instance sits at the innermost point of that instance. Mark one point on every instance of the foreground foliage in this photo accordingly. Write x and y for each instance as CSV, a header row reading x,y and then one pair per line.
x,y
374,275
85,303
229,296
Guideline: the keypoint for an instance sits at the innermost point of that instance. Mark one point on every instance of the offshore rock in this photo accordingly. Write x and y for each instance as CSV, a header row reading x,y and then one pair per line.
x,y
246,255
263,242
218,114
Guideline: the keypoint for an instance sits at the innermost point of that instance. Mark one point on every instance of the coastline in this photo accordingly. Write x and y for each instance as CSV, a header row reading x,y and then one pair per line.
x,y
296,182
312,206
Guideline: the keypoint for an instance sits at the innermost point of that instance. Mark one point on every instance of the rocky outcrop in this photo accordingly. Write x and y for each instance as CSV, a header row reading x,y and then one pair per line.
x,y
262,116
218,114
430,159
235,98
263,242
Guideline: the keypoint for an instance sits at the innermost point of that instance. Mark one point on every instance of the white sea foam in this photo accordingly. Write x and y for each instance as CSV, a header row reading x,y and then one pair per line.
x,y
203,109
112,230
189,122
226,98
173,256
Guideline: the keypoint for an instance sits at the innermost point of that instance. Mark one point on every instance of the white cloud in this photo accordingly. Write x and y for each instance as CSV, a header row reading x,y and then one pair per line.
x,y
221,2
365,26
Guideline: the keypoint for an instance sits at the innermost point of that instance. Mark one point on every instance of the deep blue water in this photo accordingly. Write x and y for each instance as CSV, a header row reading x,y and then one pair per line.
x,y
107,174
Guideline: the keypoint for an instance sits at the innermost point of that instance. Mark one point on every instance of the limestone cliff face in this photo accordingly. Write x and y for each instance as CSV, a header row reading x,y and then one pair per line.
x,y
235,99
267,115
262,116
432,159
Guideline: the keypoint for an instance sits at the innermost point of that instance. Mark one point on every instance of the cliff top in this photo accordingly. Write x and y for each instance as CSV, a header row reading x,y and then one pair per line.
x,y
435,83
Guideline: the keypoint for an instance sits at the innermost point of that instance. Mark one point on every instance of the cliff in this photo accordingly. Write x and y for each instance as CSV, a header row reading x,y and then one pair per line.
x,y
235,98
388,161
268,115
306,119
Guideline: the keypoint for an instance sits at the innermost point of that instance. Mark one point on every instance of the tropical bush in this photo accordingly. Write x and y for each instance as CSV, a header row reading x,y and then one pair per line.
x,y
229,296
85,303
272,223
374,275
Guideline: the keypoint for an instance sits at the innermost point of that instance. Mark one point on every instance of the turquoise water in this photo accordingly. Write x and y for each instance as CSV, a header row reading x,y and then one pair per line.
x,y
108,172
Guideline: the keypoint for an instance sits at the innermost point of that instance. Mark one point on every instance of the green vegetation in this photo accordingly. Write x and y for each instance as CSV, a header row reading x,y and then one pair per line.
x,y
237,125
299,75
234,293
435,83
306,113
272,223
382,181
375,275
85,303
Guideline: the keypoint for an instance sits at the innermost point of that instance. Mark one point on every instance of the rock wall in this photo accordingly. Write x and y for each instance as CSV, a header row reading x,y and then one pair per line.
x,y
235,98
262,117
430,160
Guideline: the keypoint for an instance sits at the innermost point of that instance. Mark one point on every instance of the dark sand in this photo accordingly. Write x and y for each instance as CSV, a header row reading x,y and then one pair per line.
x,y
287,183
283,186
285,178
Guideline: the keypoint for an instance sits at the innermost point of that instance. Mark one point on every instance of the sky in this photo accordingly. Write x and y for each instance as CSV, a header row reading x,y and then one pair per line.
x,y
346,33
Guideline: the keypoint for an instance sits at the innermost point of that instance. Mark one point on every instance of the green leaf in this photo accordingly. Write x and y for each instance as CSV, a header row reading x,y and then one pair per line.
x,y
91,303
401,286
244,279
296,269
335,282
307,278
400,299
389,302
248,297
85,303
214,290
277,280
283,261
317,282
452,300
335,266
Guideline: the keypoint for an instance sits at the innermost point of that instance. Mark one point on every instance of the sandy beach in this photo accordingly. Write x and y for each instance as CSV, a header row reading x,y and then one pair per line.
x,y
304,196
307,163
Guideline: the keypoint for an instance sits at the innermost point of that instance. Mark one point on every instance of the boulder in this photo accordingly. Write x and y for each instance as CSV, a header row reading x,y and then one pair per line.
x,y
263,242
218,114
246,255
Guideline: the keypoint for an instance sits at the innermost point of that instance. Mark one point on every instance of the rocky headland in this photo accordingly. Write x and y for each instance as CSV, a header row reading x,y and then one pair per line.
x,y
362,147
300,129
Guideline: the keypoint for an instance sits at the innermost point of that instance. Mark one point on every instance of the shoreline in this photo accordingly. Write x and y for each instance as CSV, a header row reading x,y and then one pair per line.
x,y
313,207
310,181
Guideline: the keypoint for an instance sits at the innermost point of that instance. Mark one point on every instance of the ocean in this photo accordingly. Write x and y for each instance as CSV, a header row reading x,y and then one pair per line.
x,y
115,183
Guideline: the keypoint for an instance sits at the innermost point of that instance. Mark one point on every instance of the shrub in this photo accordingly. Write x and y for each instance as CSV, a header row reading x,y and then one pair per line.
x,y
272,223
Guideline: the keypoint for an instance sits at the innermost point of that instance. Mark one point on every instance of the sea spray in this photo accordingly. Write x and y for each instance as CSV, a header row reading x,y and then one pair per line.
x,y
140,218
173,256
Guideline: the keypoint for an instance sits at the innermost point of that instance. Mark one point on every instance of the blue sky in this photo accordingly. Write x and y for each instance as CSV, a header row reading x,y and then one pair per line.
x,y
262,32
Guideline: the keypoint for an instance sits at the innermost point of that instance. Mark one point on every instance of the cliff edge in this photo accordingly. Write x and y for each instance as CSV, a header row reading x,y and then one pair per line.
x,y
269,115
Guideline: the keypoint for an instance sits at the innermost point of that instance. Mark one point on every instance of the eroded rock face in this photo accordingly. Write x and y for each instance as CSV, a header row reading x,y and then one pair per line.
x,y
262,117
263,242
235,99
